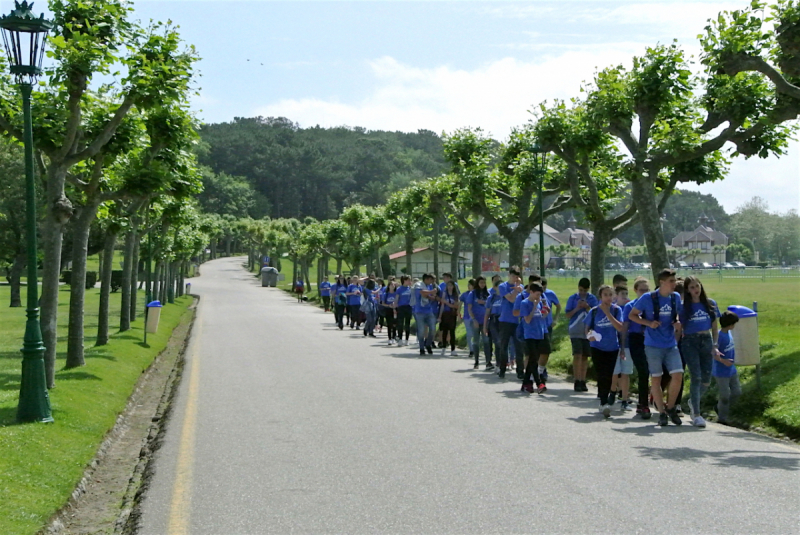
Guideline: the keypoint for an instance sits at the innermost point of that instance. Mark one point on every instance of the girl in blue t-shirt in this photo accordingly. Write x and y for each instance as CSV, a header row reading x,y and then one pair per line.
x,y
449,311
699,321
534,311
602,324
389,308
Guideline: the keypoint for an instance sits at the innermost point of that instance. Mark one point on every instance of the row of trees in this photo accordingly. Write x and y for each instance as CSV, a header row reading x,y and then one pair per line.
x,y
621,149
115,157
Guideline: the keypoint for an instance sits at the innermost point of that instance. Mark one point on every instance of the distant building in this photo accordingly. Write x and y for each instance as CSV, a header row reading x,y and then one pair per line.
x,y
582,239
703,239
422,262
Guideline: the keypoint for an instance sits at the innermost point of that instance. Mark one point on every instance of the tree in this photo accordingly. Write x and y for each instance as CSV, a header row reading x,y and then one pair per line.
x,y
224,194
408,208
88,39
502,187
12,216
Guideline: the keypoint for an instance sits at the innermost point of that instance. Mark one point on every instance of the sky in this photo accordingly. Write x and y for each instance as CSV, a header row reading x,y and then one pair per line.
x,y
396,65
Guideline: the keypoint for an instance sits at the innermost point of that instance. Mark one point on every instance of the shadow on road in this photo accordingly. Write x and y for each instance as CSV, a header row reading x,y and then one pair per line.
x,y
754,460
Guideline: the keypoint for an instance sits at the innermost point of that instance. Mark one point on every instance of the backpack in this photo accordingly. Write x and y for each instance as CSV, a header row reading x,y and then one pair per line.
x,y
656,311
341,298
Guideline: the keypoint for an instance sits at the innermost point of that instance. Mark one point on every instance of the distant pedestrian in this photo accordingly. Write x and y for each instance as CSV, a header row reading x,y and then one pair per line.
x,y
491,322
389,308
633,340
404,310
353,293
339,291
325,293
299,289
603,322
621,381
533,312
449,311
578,306
424,298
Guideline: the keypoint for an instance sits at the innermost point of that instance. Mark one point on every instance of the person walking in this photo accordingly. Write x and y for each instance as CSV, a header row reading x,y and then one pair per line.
x,y
466,299
325,293
477,313
551,300
659,312
723,370
449,308
389,306
578,305
491,325
404,310
633,339
299,288
699,341
354,292
533,312
424,296
508,292
602,324
369,307
339,291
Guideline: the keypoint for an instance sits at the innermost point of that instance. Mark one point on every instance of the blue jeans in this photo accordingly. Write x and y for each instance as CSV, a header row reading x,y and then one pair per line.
x,y
508,337
470,327
424,320
697,349
493,339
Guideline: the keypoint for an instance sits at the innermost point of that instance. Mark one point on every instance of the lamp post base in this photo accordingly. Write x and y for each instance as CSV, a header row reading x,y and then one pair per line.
x,y
34,401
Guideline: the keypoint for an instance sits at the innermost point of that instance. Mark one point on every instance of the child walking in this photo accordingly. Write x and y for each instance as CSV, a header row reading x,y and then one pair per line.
x,y
723,370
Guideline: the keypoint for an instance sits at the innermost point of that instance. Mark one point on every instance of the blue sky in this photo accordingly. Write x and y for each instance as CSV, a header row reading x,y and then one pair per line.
x,y
435,65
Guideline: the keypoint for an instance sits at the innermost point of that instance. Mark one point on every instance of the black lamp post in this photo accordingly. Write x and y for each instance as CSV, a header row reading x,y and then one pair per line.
x,y
24,37
540,166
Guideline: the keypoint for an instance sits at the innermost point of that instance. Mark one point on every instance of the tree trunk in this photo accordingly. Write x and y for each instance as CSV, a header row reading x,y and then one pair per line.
x,y
436,247
454,255
338,266
20,260
214,249
643,196
127,272
105,287
171,282
378,262
135,277
602,235
294,270
409,254
516,249
77,299
157,281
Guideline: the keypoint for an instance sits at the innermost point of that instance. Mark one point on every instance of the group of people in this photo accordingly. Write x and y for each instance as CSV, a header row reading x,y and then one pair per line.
x,y
659,332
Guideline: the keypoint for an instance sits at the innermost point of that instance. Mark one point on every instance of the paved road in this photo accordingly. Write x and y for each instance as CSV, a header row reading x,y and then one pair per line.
x,y
284,424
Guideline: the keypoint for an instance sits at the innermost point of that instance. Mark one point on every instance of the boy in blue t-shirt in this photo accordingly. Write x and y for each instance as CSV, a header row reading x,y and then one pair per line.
x,y
578,305
660,313
723,370
325,293
353,293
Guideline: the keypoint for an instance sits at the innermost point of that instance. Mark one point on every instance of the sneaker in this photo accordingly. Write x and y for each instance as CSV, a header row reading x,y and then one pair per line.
x,y
544,375
606,410
444,351
476,366
502,374
471,354
429,349
489,367
422,352
625,405
663,420
527,387
674,416
679,410
520,375
453,353
542,388
577,386
584,388
646,414
699,421
612,398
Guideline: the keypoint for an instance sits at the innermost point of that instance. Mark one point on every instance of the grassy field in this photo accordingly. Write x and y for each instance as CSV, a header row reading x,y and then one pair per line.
x,y
775,407
40,464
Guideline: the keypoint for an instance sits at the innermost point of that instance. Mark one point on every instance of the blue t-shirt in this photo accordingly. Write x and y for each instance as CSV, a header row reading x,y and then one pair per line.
x,y
725,342
299,284
552,299
451,302
467,299
506,306
403,296
576,329
664,336
537,328
603,327
419,308
478,309
389,298
695,318
633,327
494,303
325,289
354,299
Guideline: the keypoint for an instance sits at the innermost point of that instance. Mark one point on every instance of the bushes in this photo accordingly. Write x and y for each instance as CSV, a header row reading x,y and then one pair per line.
x,y
91,278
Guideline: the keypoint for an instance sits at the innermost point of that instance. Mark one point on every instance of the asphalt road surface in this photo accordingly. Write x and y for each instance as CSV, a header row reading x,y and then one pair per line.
x,y
284,424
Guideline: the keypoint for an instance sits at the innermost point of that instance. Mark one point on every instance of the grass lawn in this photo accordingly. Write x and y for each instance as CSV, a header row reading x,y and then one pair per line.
x,y
40,464
776,406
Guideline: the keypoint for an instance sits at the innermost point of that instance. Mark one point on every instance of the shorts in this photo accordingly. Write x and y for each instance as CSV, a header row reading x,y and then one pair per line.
x,y
661,358
624,367
580,346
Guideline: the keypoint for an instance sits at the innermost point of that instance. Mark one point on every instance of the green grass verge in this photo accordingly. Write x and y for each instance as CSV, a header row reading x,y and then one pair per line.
x,y
40,464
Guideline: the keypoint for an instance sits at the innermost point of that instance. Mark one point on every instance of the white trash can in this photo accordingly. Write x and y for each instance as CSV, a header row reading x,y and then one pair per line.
x,y
745,337
153,316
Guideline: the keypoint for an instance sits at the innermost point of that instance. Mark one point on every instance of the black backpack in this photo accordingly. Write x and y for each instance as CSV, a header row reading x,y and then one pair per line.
x,y
657,312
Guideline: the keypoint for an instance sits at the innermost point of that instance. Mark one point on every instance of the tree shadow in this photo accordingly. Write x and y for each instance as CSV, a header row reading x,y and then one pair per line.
x,y
92,355
753,460
77,375
8,416
651,428
10,381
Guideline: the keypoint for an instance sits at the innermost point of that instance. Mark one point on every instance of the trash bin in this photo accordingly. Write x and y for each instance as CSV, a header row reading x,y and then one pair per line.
x,y
153,315
745,337
269,277
188,288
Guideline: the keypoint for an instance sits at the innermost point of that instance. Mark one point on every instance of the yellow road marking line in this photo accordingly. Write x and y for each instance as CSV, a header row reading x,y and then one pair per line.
x,y
182,488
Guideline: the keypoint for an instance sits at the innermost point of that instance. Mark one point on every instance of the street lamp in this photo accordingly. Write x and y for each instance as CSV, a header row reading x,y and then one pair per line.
x,y
540,167
24,37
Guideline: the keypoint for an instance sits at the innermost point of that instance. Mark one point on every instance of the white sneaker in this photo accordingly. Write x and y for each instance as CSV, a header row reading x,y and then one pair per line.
x,y
453,353
444,350
698,421
606,410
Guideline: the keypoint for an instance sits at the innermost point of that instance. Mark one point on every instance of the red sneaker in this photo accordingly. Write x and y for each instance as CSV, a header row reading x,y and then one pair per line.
x,y
527,387
542,388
